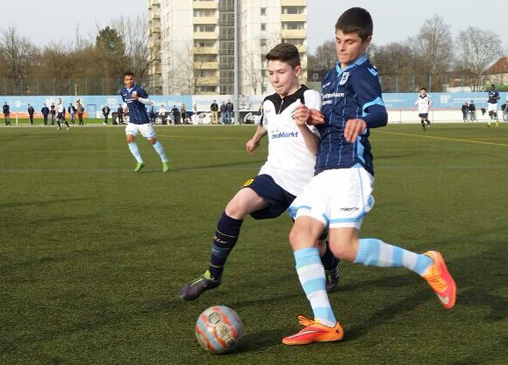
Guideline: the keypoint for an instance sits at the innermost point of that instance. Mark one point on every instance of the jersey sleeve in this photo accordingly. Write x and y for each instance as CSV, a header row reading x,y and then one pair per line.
x,y
121,94
367,91
142,93
313,101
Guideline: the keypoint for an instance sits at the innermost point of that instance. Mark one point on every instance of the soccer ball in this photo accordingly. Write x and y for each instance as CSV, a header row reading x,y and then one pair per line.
x,y
219,329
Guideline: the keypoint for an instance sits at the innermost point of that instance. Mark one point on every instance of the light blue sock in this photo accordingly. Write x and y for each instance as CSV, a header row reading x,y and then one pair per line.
x,y
374,252
160,150
312,277
135,151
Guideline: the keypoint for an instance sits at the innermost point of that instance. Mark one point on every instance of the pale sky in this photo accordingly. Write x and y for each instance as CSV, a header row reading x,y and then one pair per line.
x,y
44,21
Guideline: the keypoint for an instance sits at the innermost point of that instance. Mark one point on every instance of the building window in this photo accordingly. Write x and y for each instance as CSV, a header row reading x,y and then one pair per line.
x,y
262,42
201,28
293,25
293,10
263,27
263,11
204,44
201,13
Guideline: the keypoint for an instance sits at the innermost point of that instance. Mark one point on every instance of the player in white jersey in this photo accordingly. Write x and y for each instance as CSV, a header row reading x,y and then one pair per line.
x,y
60,109
423,104
292,149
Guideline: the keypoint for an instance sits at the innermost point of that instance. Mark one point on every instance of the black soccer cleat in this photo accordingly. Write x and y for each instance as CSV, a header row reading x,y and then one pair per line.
x,y
192,290
332,278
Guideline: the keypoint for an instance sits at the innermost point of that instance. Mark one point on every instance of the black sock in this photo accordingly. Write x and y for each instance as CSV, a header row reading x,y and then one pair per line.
x,y
328,260
225,238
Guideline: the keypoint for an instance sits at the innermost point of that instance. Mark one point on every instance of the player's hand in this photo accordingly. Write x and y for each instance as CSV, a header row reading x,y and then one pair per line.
x,y
251,145
354,127
303,115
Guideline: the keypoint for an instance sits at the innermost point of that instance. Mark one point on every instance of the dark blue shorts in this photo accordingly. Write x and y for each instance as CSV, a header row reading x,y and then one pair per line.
x,y
279,199
423,115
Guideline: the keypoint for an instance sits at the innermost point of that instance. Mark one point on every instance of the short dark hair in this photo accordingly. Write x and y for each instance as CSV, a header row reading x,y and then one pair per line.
x,y
356,20
424,89
128,73
285,52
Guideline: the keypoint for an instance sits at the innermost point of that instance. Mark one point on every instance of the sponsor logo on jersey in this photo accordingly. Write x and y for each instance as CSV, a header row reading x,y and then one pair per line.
x,y
284,135
349,209
373,71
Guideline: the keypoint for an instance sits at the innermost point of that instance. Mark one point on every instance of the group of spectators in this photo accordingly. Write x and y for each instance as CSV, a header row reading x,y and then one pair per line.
x,y
469,112
226,112
48,113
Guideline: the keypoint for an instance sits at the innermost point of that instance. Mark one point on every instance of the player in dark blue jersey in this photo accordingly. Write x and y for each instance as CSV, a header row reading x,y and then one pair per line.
x,y
492,106
137,99
340,193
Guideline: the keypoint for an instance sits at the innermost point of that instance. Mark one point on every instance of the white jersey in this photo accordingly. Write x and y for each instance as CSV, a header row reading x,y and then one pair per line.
x,y
289,162
60,108
423,104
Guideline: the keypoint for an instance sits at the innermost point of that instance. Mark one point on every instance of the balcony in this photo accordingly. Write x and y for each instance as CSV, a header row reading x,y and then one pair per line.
x,y
293,17
206,65
294,33
205,20
207,81
205,35
293,2
206,50
204,4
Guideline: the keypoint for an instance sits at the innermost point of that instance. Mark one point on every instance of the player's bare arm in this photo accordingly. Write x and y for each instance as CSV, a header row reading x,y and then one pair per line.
x,y
353,129
253,143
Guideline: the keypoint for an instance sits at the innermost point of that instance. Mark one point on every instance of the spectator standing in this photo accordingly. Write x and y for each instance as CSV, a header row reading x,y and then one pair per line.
x,y
162,114
7,113
80,110
214,108
119,113
223,113
45,112
52,111
229,111
72,112
472,112
31,112
105,111
151,113
175,112
183,113
465,111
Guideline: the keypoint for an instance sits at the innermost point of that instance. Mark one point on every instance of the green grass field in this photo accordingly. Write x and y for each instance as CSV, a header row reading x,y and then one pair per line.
x,y
92,254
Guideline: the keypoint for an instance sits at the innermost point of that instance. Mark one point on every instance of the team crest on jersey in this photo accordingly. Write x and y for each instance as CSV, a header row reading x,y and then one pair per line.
x,y
373,71
345,77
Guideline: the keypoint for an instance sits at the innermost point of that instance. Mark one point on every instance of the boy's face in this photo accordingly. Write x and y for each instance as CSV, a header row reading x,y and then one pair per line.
x,y
128,80
423,92
283,77
350,46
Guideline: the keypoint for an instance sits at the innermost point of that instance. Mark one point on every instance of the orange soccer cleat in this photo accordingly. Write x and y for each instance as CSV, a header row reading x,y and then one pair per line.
x,y
314,332
440,280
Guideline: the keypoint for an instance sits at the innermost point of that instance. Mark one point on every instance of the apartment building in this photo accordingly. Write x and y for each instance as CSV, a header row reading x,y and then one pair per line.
x,y
193,43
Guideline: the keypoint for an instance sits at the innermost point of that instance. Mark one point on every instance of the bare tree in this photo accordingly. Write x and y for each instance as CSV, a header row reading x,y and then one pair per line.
x,y
433,48
254,62
19,56
478,48
394,63
324,58
134,34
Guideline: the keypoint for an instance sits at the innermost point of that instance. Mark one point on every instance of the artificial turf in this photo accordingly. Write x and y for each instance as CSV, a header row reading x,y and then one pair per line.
x,y
92,254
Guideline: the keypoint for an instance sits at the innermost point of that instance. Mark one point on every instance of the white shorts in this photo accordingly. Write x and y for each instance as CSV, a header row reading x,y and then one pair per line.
x,y
146,130
337,198
492,107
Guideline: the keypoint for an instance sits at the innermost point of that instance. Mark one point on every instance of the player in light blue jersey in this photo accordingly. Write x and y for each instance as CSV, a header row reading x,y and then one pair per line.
x,y
136,99
340,194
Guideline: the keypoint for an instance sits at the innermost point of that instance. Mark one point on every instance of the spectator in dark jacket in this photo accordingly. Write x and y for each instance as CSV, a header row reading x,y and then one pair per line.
x,y
45,112
72,111
31,112
105,111
472,112
465,111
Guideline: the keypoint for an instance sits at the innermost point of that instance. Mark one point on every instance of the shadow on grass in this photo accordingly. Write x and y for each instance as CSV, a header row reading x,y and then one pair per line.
x,y
41,204
247,164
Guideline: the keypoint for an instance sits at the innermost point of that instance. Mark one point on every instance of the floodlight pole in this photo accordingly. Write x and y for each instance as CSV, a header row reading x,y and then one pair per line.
x,y
236,65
